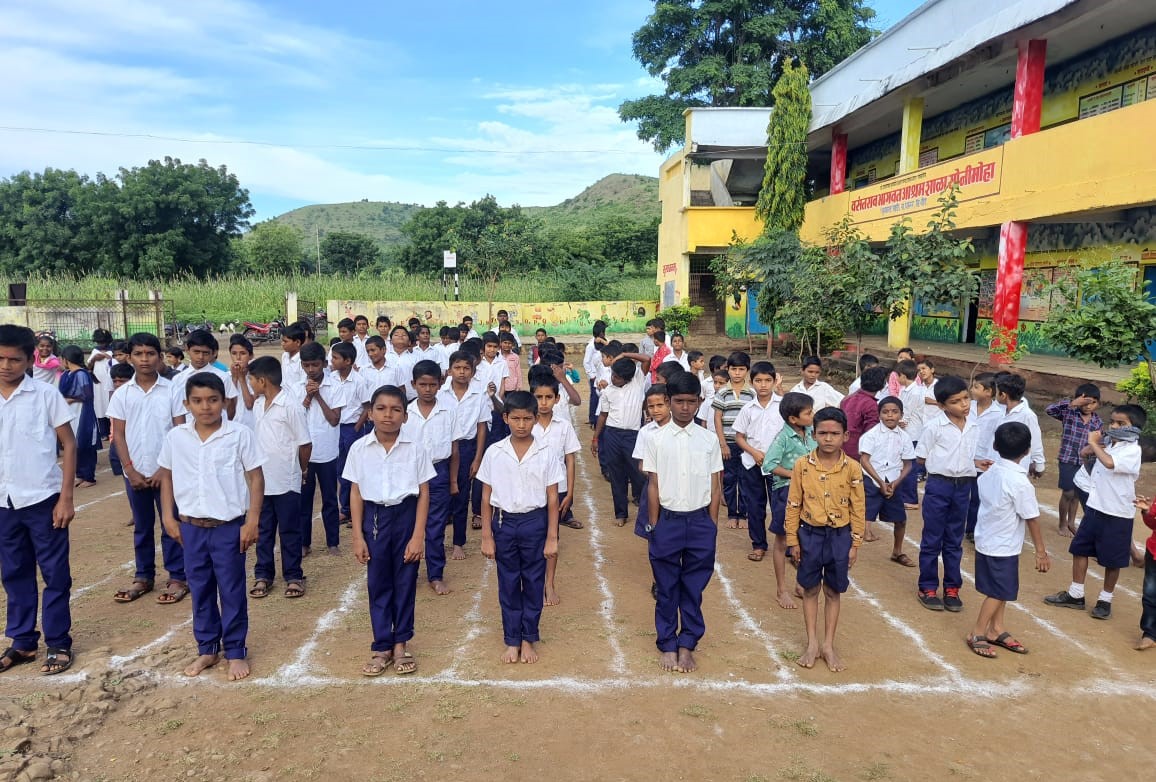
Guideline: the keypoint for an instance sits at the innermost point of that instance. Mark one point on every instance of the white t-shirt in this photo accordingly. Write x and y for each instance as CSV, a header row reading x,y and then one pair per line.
x,y
1006,500
388,477
823,394
1113,491
987,422
437,431
148,416
28,419
281,431
888,449
915,410
519,486
563,441
623,404
326,438
759,425
209,475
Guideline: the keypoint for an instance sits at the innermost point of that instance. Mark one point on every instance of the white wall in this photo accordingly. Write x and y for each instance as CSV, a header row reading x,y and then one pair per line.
x,y
728,127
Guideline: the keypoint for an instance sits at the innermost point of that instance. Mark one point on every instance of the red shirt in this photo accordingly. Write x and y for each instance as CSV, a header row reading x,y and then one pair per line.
x,y
862,413
1149,517
661,351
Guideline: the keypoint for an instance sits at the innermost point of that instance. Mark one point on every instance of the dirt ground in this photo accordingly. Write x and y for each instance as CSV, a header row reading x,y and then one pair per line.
x,y
914,703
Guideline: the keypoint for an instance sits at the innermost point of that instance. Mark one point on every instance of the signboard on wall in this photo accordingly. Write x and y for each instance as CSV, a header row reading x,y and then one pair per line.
x,y
978,176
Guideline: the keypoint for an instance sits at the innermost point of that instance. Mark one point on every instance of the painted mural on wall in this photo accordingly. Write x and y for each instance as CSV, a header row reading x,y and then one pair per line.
x,y
565,317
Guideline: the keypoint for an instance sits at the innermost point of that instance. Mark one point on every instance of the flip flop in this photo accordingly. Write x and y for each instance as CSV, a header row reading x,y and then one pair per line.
x,y
52,660
902,559
571,523
756,555
979,645
1011,645
260,589
378,664
172,596
14,658
476,522
138,590
295,589
406,665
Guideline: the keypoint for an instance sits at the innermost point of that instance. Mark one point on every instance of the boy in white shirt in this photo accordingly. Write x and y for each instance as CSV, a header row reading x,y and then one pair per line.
x,y
323,399
283,438
755,429
520,477
1106,531
35,506
678,352
292,340
471,429
886,455
390,471
1010,394
493,371
434,416
559,434
1007,504
360,337
658,410
592,364
202,348
987,414
356,391
220,511
619,419
915,410
822,392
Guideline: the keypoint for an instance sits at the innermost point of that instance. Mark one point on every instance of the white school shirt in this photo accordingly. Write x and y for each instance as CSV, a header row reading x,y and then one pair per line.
x,y
1006,500
362,359
244,415
591,360
707,383
948,451
473,408
209,475
519,486
915,410
437,431
644,435
495,372
28,419
326,439
375,378
987,422
888,449
682,361
1113,491
562,439
823,394
148,416
623,404
403,370
281,431
1025,415
429,354
759,425
706,414
291,372
388,477
356,393
102,390
684,458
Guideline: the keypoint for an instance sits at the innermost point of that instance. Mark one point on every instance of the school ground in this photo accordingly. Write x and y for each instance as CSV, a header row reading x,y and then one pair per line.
x,y
914,703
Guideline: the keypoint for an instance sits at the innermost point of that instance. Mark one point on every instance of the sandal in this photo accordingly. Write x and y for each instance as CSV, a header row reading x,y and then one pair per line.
x,y
13,657
476,522
173,595
979,645
52,663
260,589
378,664
139,589
406,665
295,589
757,555
572,523
902,559
1006,641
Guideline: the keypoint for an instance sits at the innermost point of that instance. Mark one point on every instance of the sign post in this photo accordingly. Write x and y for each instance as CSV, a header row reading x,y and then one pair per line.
x,y
450,261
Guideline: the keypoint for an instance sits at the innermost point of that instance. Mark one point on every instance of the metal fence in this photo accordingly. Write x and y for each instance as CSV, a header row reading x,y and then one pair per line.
x,y
74,320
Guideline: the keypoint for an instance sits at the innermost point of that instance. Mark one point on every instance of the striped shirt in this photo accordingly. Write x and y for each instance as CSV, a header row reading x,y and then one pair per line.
x,y
731,404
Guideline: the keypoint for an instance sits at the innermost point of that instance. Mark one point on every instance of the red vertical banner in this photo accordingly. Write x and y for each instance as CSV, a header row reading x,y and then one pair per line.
x,y
1013,241
838,163
1029,89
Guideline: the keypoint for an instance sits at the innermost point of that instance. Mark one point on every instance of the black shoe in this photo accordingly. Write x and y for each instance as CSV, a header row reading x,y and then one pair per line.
x,y
654,591
930,600
1103,610
951,601
1064,600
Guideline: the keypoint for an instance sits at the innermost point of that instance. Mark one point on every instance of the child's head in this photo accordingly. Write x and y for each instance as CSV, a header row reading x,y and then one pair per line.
x,y
462,367
951,394
202,347
720,377
905,354
361,325
375,349
120,351
45,346
240,350
464,331
341,358
265,374
145,353
738,365
468,322
73,357
622,371
907,372
812,369
345,329
387,410
763,378
658,403
797,409
926,369
1089,396
399,338
651,327
383,326
1013,440
830,430
629,347
540,335
445,335
696,360
490,345
716,363
174,357
677,341
1010,388
205,397
120,374
17,346
685,398
610,351
545,391
102,338
521,413
292,338
659,336
427,380
890,411
668,369
506,341
873,379
313,361
1128,415
866,361
423,335
598,330
983,387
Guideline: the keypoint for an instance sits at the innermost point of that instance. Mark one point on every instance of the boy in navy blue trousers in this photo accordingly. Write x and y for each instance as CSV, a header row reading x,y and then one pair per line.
x,y
323,398
342,358
390,471
616,433
683,462
210,468
520,476
470,432
433,416
35,506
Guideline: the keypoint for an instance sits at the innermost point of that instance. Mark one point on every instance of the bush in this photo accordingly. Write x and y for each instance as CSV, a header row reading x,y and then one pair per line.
x,y
679,317
1139,389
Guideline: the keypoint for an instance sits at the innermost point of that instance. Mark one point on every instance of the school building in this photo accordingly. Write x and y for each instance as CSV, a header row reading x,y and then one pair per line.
x,y
1043,111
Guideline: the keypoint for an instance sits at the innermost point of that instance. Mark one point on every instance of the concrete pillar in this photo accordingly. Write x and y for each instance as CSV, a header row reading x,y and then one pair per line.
x,y
899,329
838,163
291,307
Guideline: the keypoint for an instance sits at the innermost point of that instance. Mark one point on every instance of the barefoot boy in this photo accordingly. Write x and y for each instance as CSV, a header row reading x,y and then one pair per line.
x,y
520,477
1079,417
825,526
755,428
793,441
886,454
1148,600
323,399
433,416
683,462
559,434
470,431
210,468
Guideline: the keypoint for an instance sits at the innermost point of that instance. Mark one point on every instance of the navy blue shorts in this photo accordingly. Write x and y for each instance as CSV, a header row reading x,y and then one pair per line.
x,y
1107,538
1068,476
825,557
778,500
997,577
888,509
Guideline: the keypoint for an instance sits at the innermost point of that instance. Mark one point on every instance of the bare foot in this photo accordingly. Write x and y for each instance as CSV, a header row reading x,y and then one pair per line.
x,y
686,662
742,524
785,600
732,523
1145,644
834,664
238,669
511,655
439,587
807,659
669,661
204,662
1065,531
529,653
552,598
869,536
334,551
459,553
306,551
798,591
85,484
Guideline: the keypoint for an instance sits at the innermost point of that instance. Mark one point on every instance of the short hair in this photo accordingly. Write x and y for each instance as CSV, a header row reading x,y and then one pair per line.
x,y
947,387
678,334
659,335
121,346
360,317
507,337
504,327
312,351
209,380
294,332
382,319
424,327
812,361
907,368
1088,389
1135,414
500,313
121,371
345,350
599,329
1012,385
473,345
467,318
684,384
540,373
867,360
389,390
202,338
101,336
668,369
829,414
739,359
793,404
176,353
908,351
762,368
873,379
427,368
629,347
652,323
398,328
22,337
658,389
539,331
541,380
660,323
142,339
240,339
521,400
721,372
551,357
613,348
985,379
490,338
376,341
266,368
1012,440
887,400
927,362
461,355
716,363
334,341
623,368
693,356
345,323
73,355
414,321
444,331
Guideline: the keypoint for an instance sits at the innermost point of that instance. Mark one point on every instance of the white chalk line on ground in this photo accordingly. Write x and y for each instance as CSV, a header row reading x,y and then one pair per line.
x,y
96,502
119,660
293,672
617,656
908,632
748,623
473,617
114,574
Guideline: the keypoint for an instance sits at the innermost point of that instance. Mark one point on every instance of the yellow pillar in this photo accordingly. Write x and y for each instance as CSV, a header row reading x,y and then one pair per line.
x,y
899,329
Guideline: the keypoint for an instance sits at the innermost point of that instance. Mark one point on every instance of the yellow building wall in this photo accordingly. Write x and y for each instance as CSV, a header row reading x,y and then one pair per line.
x,y
717,226
673,275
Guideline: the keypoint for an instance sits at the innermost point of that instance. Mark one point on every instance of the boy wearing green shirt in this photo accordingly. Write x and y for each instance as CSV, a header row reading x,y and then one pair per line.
x,y
793,442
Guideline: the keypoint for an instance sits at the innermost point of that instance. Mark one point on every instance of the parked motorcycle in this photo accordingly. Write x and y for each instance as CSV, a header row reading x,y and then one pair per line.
x,y
262,332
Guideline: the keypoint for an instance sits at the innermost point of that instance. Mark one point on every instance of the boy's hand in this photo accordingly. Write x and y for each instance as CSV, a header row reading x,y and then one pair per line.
x,y
1034,472
488,548
551,550
63,513
852,557
1143,503
248,535
983,464
311,388
887,489
594,446
1086,451
491,389
414,550
1043,562
173,527
796,555
1095,438
135,479
474,465
758,456
453,488
565,505
902,424
360,550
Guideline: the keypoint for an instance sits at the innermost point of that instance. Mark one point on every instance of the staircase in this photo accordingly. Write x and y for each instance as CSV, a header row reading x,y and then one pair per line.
x,y
707,324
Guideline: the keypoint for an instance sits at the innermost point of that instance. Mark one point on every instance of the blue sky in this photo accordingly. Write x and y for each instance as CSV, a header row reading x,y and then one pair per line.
x,y
456,99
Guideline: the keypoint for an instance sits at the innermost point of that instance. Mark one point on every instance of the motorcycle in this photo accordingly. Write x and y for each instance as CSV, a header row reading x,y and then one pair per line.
x,y
262,332
318,321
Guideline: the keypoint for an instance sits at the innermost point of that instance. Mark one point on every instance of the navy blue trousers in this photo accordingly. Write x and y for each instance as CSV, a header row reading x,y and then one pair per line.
x,y
391,581
28,540
519,550
682,549
618,445
1147,601
753,487
732,477
216,568
280,517
86,463
973,508
346,437
324,473
593,414
435,525
460,502
909,489
146,507
945,507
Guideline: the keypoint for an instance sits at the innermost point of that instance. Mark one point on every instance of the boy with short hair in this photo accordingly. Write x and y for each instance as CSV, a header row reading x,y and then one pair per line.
x,y
755,428
513,381
143,410
360,335
947,448
866,361
557,432
433,415
1010,394
678,352
824,524
661,352
619,419
175,360
470,432
283,439
202,349
220,511
1079,417
1106,531
683,463
355,390
705,417
390,471
36,506
657,403
988,415
292,339
886,454
539,340
821,391
792,442
1007,504
727,404
862,409
520,477
323,400
914,413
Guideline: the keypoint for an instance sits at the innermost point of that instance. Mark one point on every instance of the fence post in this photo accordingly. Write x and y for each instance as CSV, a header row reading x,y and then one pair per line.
x,y
122,296
291,307
158,312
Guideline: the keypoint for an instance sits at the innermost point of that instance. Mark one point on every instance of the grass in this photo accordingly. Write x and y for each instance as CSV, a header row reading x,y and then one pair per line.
x,y
798,772
875,771
697,711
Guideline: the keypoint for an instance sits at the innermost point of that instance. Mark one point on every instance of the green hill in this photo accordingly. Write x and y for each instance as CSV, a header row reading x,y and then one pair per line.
x,y
631,195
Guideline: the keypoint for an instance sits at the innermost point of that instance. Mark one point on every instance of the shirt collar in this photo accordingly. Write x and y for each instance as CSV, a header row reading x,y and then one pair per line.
x,y
1008,464
161,380
839,466
224,429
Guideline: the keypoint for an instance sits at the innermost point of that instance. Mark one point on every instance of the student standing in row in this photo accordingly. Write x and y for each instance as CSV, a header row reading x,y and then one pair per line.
x,y
1079,417
470,432
323,400
793,441
433,416
728,402
755,428
619,419
886,455
559,434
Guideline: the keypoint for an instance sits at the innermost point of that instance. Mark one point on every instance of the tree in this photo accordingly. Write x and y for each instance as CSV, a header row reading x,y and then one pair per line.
x,y
274,247
501,248
584,273
783,196
348,253
625,241
731,52
45,223
430,232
